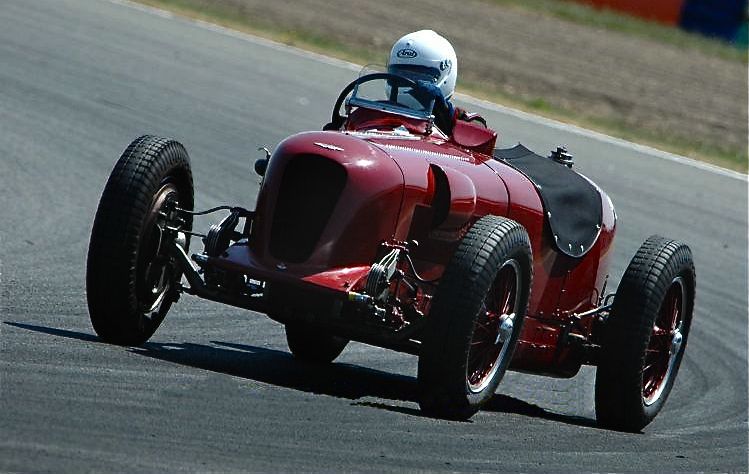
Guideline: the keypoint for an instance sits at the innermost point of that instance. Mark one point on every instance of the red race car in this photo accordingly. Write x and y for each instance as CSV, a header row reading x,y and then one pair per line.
x,y
383,229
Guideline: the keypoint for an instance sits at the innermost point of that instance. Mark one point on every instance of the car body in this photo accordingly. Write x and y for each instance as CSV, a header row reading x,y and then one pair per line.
x,y
358,228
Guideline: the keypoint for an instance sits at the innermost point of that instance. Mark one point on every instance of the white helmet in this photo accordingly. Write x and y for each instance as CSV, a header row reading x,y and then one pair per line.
x,y
427,54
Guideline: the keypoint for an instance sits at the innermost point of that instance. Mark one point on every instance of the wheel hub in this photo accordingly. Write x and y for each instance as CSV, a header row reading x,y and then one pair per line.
x,y
506,325
676,342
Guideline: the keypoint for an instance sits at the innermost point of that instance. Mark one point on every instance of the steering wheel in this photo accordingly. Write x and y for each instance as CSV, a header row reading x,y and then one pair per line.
x,y
336,120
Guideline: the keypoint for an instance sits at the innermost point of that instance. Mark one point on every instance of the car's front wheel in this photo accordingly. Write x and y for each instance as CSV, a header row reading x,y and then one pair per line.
x,y
130,277
475,319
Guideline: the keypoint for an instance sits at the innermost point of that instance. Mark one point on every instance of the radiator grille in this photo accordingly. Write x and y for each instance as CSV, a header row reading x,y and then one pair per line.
x,y
310,188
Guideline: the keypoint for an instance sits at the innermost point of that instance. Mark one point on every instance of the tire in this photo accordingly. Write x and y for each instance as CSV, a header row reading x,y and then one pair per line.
x,y
130,279
312,345
645,335
476,317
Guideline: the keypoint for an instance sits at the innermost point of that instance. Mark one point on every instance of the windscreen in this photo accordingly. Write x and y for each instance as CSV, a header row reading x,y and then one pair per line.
x,y
413,96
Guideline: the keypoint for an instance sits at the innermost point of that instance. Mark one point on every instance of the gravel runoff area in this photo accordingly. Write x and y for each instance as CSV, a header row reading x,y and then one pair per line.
x,y
602,77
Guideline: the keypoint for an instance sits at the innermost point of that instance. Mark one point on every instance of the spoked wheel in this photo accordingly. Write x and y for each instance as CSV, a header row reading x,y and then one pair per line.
x,y
154,276
666,340
494,328
475,319
131,278
645,335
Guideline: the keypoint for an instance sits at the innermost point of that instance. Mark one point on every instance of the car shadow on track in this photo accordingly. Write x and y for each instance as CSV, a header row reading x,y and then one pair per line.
x,y
279,368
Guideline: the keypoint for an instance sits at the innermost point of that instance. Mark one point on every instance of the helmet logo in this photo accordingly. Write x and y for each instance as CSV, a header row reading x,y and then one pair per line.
x,y
407,53
445,65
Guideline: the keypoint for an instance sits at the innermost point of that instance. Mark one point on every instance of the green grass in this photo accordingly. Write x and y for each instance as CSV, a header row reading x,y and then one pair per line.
x,y
716,153
615,21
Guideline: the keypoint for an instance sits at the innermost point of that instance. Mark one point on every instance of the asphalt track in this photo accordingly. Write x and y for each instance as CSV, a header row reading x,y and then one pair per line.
x,y
215,389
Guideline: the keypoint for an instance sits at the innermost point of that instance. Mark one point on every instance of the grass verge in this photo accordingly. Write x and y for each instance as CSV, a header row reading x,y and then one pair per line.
x,y
716,153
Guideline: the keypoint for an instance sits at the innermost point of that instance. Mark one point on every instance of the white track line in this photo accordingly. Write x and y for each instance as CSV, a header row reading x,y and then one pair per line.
x,y
525,116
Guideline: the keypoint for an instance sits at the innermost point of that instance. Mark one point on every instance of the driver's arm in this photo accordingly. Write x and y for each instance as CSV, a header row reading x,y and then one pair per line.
x,y
443,110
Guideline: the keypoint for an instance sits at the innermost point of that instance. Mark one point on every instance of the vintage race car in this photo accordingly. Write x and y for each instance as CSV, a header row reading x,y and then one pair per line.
x,y
383,229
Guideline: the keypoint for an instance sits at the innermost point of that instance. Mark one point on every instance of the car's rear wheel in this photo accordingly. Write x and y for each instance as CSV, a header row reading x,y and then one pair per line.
x,y
475,319
646,334
130,277
310,344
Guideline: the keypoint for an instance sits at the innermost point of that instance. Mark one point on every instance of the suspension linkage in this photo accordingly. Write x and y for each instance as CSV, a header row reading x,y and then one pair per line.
x,y
242,212
604,308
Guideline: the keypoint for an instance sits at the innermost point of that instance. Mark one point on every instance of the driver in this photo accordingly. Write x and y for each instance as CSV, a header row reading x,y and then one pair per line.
x,y
423,54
